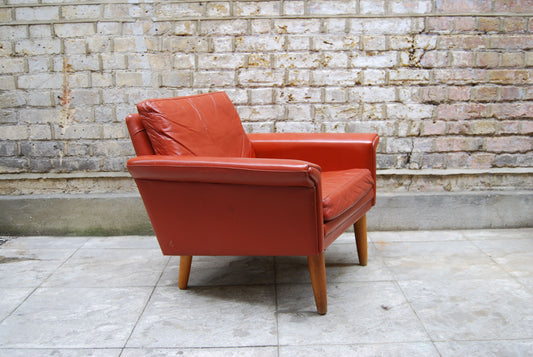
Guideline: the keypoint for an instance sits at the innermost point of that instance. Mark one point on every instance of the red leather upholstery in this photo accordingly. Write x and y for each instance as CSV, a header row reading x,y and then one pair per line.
x,y
210,189
200,125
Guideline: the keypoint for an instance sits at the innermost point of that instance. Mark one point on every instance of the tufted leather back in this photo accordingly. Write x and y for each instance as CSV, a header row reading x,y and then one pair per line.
x,y
197,125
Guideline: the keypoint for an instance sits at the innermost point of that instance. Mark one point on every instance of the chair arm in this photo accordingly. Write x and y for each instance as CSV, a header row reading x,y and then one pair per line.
x,y
240,171
330,151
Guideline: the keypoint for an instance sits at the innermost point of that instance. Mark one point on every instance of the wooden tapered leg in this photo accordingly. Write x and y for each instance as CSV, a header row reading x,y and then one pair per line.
x,y
317,270
185,270
360,240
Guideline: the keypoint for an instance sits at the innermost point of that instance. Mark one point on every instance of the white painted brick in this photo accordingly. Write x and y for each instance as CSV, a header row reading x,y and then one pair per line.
x,y
299,112
80,12
12,65
14,132
261,112
13,32
221,61
298,43
372,59
409,111
373,94
38,47
169,11
374,7
260,26
176,79
337,42
253,8
44,13
297,127
374,77
75,46
218,9
261,96
209,79
332,7
336,77
39,31
223,27
411,7
185,28
298,77
337,112
40,81
74,29
336,95
261,77
258,43
108,28
297,60
294,7
299,95
305,26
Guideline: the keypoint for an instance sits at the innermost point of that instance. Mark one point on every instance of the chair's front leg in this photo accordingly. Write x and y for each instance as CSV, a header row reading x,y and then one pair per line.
x,y
361,240
317,270
185,270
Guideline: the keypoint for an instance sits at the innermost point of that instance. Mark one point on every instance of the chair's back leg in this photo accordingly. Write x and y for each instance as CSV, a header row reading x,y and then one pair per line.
x,y
361,240
185,270
317,270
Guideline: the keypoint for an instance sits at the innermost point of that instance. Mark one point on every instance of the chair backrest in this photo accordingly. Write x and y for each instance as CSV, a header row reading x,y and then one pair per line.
x,y
197,125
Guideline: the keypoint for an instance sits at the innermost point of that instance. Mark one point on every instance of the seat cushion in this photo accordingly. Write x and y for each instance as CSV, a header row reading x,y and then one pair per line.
x,y
342,190
199,125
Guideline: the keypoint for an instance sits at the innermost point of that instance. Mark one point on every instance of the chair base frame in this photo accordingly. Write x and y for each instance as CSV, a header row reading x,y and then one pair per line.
x,y
316,264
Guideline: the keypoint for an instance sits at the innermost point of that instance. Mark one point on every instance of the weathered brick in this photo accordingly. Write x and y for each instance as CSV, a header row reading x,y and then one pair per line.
x,y
45,13
332,7
411,7
261,112
374,7
487,59
336,77
252,8
515,24
185,44
297,127
209,79
80,12
488,24
508,144
38,47
261,96
223,27
485,93
221,61
218,9
169,11
261,77
176,79
453,6
372,59
81,29
512,59
373,94
304,26
41,148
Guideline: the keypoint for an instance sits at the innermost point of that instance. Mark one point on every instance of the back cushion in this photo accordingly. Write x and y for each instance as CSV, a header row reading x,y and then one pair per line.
x,y
199,125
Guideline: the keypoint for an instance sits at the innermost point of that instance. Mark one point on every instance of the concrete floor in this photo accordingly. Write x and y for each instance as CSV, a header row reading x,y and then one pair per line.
x,y
424,293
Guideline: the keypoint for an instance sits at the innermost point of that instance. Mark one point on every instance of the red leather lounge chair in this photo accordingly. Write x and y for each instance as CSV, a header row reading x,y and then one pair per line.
x,y
211,189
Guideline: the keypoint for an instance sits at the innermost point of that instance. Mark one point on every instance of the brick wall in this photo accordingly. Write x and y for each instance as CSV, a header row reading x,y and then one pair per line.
x,y
447,84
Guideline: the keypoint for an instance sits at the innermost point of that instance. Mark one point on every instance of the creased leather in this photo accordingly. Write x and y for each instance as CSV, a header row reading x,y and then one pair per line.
x,y
342,190
197,125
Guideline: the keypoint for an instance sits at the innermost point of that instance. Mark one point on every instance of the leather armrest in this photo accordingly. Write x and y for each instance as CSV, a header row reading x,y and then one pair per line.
x,y
240,171
330,151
